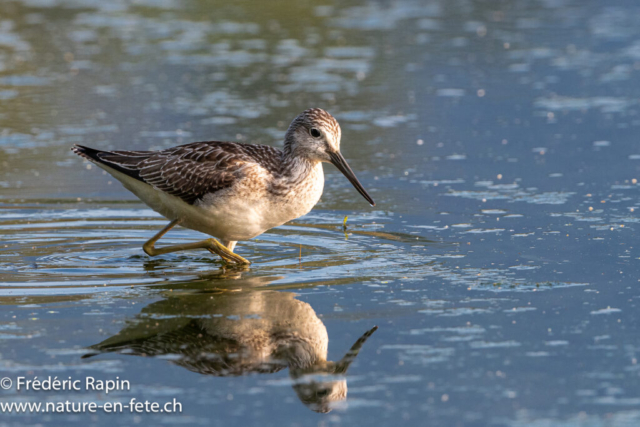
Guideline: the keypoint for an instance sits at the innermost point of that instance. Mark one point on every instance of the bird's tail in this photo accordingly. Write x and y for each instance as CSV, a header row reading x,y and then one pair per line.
x,y
123,161
88,153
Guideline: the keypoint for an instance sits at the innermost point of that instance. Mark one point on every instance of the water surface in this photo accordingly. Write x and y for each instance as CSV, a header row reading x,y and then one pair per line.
x,y
498,140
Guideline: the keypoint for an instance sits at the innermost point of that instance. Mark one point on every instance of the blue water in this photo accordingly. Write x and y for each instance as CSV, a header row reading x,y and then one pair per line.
x,y
499,141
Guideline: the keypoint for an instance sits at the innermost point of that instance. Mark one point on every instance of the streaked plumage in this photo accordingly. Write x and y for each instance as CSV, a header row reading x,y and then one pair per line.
x,y
240,333
229,190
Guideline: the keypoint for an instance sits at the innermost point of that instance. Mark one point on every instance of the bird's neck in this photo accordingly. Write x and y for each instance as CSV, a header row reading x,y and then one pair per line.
x,y
289,142
301,352
295,175
294,166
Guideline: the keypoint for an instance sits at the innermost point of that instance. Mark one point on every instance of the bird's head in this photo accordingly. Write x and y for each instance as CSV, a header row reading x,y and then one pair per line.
x,y
315,135
323,385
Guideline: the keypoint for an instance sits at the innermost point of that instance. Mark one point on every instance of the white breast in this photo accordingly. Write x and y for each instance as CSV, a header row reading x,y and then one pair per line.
x,y
247,209
298,201
241,212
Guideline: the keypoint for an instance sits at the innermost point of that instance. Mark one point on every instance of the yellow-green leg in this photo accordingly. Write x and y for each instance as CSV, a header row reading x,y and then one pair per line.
x,y
212,245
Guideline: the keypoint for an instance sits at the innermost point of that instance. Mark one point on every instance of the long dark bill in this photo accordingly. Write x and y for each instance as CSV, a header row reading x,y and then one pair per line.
x,y
343,364
338,161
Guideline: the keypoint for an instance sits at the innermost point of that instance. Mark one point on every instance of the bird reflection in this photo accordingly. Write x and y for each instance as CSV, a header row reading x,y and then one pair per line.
x,y
233,331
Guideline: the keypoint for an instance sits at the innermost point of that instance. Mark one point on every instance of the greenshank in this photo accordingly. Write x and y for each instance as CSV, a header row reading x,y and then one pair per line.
x,y
230,190
228,334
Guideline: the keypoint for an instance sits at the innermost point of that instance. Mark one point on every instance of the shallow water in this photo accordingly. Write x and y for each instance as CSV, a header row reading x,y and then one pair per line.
x,y
499,264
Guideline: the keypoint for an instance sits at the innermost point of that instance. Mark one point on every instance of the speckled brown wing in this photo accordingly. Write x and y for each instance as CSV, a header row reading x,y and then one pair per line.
x,y
197,350
189,171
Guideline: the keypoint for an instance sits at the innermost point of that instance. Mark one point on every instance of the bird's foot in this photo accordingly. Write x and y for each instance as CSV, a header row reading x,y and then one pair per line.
x,y
223,252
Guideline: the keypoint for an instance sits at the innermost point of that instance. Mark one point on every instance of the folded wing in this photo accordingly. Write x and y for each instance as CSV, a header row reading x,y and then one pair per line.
x,y
187,171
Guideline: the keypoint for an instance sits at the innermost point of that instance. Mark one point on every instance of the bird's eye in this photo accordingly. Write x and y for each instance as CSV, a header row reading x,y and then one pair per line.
x,y
322,393
315,133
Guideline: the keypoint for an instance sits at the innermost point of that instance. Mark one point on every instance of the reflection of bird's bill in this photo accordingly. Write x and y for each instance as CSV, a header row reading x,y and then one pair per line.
x,y
321,388
343,365
339,161
330,371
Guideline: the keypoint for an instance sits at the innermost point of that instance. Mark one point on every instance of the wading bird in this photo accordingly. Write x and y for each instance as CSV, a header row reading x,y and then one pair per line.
x,y
229,334
230,190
